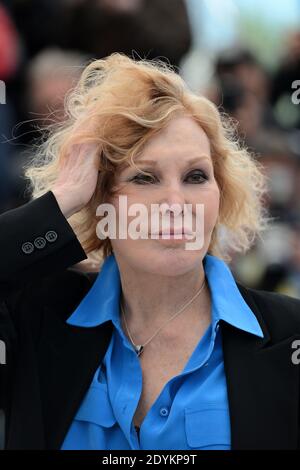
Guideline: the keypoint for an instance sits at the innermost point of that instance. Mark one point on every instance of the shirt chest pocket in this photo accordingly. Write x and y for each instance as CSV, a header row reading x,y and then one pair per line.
x,y
208,427
96,407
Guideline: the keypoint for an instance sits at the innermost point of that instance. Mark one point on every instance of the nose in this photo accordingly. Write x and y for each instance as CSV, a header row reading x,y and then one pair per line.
x,y
172,199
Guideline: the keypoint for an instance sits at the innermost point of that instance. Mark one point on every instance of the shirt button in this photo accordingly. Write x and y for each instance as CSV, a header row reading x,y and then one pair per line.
x,y
217,327
27,248
164,412
206,364
51,236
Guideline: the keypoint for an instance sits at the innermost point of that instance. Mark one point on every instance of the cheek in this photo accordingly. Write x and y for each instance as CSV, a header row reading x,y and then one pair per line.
x,y
211,209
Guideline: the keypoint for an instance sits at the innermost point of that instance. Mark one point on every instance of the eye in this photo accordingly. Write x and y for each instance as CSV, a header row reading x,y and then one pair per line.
x,y
140,178
197,176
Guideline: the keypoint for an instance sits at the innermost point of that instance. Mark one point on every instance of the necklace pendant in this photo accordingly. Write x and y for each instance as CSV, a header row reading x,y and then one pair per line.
x,y
138,349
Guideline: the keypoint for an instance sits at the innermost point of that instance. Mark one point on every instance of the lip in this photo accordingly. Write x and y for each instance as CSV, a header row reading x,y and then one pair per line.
x,y
175,235
172,231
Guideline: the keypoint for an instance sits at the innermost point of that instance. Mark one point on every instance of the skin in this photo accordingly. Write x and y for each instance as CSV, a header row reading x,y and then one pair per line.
x,y
159,276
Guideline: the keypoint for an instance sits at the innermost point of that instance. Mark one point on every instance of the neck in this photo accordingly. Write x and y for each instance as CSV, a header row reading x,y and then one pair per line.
x,y
149,300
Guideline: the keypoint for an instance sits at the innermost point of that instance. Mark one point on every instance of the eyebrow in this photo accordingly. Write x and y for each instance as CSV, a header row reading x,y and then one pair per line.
x,y
188,162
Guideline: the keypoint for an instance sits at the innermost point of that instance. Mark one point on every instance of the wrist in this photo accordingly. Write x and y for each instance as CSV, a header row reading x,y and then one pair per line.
x,y
66,203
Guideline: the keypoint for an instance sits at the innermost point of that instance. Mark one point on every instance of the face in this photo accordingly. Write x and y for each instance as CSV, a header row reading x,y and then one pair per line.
x,y
182,172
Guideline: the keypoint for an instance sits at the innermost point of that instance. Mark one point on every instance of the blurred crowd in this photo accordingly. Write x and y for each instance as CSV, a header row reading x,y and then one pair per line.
x,y
43,47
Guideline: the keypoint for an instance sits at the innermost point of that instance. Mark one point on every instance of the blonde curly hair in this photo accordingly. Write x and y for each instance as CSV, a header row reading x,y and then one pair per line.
x,y
121,103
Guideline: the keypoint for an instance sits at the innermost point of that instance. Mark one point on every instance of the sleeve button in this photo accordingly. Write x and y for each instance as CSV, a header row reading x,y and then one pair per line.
x,y
40,243
51,236
27,248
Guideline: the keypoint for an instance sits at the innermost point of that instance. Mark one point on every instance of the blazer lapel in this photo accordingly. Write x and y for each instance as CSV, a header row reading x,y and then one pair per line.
x,y
262,385
69,357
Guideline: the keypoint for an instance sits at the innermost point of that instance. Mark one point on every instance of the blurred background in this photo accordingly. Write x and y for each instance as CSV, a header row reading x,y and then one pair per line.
x,y
242,54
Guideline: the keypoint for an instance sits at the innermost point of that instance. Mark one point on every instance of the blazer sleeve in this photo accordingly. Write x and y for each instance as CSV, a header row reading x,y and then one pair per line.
x,y
36,241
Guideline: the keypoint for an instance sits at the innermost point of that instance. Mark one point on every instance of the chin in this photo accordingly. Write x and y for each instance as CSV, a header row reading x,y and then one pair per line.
x,y
164,259
170,261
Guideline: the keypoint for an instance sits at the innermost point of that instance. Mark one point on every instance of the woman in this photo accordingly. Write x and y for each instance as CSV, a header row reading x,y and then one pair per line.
x,y
162,349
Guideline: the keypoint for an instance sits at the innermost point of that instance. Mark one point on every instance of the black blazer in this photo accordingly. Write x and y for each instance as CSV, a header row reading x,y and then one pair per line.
x,y
50,364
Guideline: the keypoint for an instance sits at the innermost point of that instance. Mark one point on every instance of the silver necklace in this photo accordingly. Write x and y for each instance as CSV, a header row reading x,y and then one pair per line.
x,y
140,347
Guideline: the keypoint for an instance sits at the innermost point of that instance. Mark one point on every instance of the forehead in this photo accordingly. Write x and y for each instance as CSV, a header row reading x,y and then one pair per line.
x,y
182,137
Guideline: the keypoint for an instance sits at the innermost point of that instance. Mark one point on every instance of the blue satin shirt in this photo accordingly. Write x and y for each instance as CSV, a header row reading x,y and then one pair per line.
x,y
191,412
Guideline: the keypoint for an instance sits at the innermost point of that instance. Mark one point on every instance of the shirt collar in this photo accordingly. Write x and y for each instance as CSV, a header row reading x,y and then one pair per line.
x,y
228,304
102,301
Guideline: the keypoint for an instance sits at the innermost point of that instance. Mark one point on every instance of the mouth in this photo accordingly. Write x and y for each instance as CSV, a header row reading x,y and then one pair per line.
x,y
172,233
